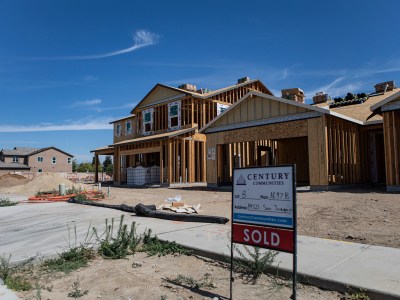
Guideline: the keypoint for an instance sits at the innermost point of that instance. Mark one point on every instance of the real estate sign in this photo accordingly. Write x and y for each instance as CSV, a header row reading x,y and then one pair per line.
x,y
263,207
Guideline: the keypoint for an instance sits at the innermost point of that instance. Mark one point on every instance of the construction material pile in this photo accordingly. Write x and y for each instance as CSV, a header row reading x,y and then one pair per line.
x,y
44,182
54,196
8,180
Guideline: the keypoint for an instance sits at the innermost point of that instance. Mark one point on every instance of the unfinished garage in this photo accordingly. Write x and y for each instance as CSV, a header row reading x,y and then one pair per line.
x,y
328,148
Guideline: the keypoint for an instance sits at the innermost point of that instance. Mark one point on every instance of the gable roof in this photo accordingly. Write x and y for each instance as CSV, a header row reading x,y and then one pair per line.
x,y
48,148
299,111
393,96
18,151
171,93
182,93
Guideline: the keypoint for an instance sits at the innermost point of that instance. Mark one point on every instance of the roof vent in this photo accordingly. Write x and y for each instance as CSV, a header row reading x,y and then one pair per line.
x,y
294,94
243,80
320,97
385,86
188,87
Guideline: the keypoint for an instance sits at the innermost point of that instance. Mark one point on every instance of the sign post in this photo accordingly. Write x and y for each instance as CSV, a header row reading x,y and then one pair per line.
x,y
264,211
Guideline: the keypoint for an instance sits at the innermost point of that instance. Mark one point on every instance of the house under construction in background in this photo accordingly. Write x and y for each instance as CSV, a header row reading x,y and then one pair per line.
x,y
340,142
188,135
160,141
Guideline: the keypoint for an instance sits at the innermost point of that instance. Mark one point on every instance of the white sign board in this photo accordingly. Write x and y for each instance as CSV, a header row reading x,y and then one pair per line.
x,y
263,196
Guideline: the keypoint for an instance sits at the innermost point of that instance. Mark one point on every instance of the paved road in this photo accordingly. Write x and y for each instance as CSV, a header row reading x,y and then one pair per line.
x,y
26,230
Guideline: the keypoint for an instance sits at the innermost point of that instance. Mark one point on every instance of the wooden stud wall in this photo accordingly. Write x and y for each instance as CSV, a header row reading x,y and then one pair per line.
x,y
347,152
391,127
234,95
189,153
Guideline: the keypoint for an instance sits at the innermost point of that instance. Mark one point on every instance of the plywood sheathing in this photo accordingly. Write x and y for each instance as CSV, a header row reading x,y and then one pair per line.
x,y
391,129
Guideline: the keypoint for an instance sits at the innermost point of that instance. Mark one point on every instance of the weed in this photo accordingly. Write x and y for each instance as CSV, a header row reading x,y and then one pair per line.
x,y
252,264
7,202
164,297
77,291
355,295
81,197
73,190
38,288
206,281
124,243
75,257
17,283
52,192
153,246
7,274
5,267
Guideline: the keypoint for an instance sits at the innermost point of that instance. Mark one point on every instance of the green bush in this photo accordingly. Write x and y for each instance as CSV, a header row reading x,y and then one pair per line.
x,y
255,263
124,243
153,246
7,202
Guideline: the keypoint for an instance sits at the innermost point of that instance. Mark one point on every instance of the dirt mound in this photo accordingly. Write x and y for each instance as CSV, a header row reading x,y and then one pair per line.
x,y
41,183
12,180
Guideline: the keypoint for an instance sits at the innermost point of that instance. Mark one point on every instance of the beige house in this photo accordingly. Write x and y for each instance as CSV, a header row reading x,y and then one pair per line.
x,y
50,159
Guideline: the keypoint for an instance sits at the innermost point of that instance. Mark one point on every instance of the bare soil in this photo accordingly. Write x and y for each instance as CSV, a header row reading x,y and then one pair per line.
x,y
142,277
8,180
362,215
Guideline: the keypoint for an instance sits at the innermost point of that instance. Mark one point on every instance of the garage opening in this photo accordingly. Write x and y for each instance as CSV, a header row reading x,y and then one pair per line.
x,y
264,153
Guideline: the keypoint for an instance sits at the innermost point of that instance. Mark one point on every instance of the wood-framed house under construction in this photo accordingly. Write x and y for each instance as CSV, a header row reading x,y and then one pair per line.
x,y
161,134
330,144
389,109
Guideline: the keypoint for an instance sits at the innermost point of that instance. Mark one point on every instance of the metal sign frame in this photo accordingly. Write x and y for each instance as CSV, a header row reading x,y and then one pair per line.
x,y
257,225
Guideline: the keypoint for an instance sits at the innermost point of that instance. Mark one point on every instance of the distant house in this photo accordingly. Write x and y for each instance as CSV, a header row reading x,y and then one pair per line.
x,y
50,159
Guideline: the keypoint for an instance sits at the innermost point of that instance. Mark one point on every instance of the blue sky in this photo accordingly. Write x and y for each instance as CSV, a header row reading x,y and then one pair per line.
x,y
68,67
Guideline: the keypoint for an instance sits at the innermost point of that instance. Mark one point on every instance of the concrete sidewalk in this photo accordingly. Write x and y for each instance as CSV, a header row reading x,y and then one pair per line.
x,y
26,230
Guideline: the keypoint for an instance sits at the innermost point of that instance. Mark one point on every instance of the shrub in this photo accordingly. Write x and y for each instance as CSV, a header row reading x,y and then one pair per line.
x,y
153,246
255,263
7,202
124,243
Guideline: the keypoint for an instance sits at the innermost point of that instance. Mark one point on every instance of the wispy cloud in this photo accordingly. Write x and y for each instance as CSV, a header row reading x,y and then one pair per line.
x,y
87,124
86,103
335,88
141,38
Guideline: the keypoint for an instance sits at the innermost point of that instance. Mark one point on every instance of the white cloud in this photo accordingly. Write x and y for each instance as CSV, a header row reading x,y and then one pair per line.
x,y
141,38
96,124
333,89
90,102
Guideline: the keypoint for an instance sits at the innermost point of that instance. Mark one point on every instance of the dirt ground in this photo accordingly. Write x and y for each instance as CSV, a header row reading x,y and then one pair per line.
x,y
363,215
142,277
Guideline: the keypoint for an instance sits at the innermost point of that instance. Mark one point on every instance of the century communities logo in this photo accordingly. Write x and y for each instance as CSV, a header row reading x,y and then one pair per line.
x,y
241,180
273,178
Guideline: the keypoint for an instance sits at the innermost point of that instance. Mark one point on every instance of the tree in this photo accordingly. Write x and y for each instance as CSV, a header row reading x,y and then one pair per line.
x,y
74,165
107,162
85,167
109,169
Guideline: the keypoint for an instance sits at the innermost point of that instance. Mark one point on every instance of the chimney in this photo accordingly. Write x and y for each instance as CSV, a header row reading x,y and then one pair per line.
x,y
188,87
243,80
203,91
294,94
320,97
385,86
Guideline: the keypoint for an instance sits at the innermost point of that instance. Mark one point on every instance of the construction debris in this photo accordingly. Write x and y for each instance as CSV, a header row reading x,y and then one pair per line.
x,y
151,211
